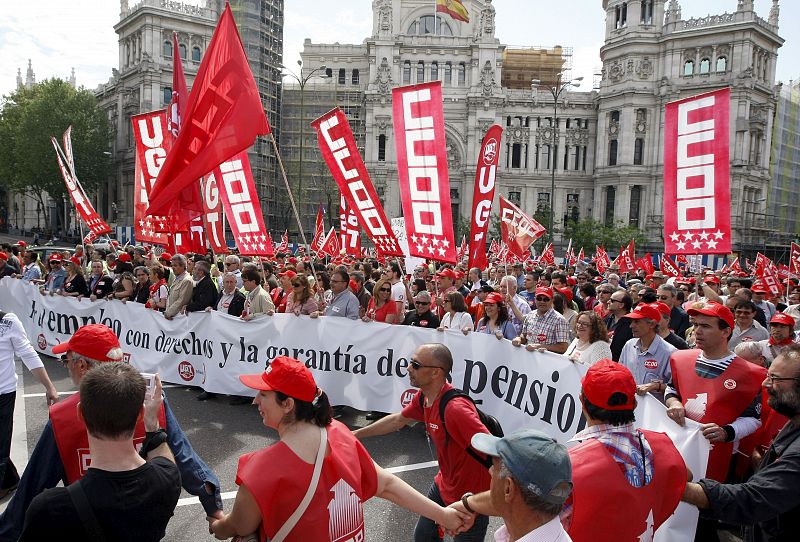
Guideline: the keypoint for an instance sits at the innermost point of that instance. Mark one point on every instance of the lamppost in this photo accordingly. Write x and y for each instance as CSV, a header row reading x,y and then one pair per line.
x,y
556,92
302,82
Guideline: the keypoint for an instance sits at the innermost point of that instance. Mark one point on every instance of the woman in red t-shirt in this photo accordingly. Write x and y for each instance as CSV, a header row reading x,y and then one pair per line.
x,y
273,481
381,307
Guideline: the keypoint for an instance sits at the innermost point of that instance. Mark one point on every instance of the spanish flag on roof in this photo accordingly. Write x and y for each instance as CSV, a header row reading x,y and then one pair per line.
x,y
454,8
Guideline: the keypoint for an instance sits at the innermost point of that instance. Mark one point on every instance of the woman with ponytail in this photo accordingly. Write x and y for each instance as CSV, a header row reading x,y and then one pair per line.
x,y
312,484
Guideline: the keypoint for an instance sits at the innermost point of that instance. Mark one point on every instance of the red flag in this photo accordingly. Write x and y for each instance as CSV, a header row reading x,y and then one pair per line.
x,y
626,258
340,151
462,250
794,259
483,195
82,204
646,263
193,239
180,93
213,216
239,197
453,8
518,229
783,272
697,206
681,259
319,231
581,255
152,147
422,170
284,246
668,267
601,259
547,257
223,117
494,247
766,270
330,245
348,229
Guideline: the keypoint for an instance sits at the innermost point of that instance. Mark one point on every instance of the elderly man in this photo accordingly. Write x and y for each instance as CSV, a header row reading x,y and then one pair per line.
x,y
531,478
679,320
204,293
59,454
231,299
646,355
422,315
746,328
517,305
180,292
544,328
232,263
768,503
759,299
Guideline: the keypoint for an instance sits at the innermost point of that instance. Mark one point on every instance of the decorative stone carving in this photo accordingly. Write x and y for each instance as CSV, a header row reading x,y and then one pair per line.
x,y
487,80
577,136
384,16
485,26
630,66
711,20
384,77
644,69
616,71
453,155
544,134
381,123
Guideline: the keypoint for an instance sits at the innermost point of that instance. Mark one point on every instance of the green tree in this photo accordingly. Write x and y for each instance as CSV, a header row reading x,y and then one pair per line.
x,y
587,233
29,117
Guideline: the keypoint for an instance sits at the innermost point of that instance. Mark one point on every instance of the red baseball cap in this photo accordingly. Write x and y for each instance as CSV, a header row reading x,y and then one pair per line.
x,y
572,281
75,260
544,290
447,272
165,256
292,260
644,310
712,308
56,257
458,274
711,278
124,257
494,297
289,273
21,243
783,319
286,375
605,378
94,341
566,292
662,308
759,288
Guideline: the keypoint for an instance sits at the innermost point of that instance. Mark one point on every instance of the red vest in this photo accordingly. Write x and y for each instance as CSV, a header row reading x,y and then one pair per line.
x,y
601,489
717,400
72,440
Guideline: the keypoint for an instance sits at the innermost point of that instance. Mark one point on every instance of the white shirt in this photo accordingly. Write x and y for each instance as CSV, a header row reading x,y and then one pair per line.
x,y
461,320
399,293
14,341
552,531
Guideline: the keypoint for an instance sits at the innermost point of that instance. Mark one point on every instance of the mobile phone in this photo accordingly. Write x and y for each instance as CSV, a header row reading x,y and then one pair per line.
x,y
150,393
221,266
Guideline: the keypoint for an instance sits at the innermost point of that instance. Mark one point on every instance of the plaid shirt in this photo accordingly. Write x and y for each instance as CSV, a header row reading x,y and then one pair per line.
x,y
549,328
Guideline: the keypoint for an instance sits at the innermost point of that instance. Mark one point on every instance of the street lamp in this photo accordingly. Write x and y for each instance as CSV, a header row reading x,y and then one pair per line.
x,y
302,82
556,92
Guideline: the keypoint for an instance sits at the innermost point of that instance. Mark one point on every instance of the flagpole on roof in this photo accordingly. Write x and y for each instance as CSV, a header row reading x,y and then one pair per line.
x,y
435,19
291,200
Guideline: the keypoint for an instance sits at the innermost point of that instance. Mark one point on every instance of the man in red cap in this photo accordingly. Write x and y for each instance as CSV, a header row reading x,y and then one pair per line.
x,y
544,328
56,275
60,453
445,280
647,354
781,335
715,387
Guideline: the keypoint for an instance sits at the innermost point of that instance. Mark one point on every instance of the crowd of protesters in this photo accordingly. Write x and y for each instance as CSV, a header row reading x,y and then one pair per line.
x,y
707,334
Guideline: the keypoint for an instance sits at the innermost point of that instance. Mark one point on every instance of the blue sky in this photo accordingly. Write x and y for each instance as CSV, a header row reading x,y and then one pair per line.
x,y
59,35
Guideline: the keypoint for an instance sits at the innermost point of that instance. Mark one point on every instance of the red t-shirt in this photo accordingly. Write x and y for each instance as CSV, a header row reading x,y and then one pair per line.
x,y
458,471
278,479
379,315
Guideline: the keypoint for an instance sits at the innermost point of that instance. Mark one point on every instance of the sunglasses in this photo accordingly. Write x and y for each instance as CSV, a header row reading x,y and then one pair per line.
x,y
416,365
385,289
422,303
542,298
296,285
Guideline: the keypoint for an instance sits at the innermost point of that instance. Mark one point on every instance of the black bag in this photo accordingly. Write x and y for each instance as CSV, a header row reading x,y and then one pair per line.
x,y
490,422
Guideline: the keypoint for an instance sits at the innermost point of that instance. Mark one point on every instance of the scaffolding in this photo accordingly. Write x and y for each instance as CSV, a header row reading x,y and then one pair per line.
x,y
549,65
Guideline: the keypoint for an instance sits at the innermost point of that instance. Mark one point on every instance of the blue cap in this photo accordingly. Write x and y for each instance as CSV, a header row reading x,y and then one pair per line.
x,y
539,463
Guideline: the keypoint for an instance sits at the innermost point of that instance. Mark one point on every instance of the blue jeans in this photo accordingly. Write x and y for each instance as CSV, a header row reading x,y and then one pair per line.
x,y
427,530
45,470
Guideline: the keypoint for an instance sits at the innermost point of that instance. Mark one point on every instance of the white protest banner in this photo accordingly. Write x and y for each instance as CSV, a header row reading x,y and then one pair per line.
x,y
399,229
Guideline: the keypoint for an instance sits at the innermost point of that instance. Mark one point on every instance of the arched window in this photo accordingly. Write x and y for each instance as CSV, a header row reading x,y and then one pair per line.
x,y
420,72
407,72
462,74
167,49
688,68
434,71
705,66
722,64
182,51
354,78
328,72
428,24
196,54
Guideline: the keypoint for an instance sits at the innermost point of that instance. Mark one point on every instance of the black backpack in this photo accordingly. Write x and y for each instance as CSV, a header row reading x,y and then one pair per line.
x,y
490,422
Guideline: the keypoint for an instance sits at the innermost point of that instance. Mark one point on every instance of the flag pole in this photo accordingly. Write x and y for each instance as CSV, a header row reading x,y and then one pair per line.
x,y
291,200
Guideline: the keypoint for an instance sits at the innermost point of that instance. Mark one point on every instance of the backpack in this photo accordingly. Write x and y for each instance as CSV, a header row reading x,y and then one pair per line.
x,y
490,422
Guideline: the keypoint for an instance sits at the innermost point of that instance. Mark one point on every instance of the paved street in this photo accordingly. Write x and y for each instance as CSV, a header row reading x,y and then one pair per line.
x,y
221,433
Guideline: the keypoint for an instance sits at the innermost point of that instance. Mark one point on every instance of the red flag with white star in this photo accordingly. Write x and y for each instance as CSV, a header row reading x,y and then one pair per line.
x,y
794,259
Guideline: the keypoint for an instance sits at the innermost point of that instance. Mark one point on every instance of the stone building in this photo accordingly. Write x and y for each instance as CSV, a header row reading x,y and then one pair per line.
x,y
608,142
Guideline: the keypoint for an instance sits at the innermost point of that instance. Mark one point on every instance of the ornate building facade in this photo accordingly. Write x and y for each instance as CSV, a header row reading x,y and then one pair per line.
x,y
608,149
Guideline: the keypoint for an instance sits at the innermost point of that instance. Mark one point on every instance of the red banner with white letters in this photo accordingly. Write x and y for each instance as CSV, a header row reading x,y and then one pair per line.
x,y
422,170
152,145
627,258
338,147
518,229
319,231
349,231
767,272
237,190
668,267
213,216
483,196
794,259
82,204
330,245
697,193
